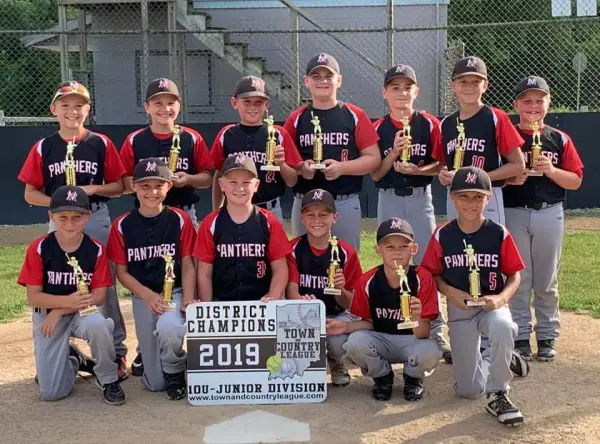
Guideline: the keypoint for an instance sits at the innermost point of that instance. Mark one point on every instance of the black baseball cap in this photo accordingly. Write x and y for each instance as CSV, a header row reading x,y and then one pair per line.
x,y
318,197
152,168
400,71
469,66
470,178
69,198
161,86
531,83
395,227
322,61
71,88
239,162
250,86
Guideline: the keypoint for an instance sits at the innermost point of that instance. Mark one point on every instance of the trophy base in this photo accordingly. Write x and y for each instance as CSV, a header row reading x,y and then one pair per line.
x,y
270,168
169,306
407,325
332,291
475,303
88,311
318,166
534,173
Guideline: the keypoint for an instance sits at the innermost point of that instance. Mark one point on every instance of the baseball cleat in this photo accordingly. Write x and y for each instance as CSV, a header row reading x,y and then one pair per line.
x,y
413,388
112,392
122,371
446,350
546,351
524,348
502,408
137,366
86,364
382,390
176,386
518,365
339,373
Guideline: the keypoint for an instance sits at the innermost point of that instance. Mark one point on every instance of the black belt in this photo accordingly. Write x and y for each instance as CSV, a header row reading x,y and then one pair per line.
x,y
406,191
335,196
41,310
268,205
539,206
95,206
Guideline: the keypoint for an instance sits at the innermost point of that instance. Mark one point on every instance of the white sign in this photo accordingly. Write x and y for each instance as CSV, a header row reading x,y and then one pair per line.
x,y
256,353
579,62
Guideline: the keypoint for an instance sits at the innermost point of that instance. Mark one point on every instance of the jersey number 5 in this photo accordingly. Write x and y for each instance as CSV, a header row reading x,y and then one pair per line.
x,y
493,281
478,161
262,269
270,177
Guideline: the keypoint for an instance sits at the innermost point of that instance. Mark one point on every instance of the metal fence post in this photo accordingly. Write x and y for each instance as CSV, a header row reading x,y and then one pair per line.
x,y
145,43
295,26
63,42
390,33
82,40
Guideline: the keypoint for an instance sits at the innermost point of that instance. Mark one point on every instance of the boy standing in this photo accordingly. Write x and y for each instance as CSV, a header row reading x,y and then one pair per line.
x,y
375,341
535,216
97,170
241,248
56,266
143,243
309,265
249,137
473,244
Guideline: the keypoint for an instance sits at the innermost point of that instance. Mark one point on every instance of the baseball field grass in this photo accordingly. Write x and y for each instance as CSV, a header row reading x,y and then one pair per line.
x,y
579,278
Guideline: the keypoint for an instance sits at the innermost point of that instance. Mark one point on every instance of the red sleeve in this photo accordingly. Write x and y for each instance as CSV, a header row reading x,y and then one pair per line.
x,y
364,133
292,263
510,258
216,152
432,258
126,154
32,271
377,123
32,172
292,156
101,277
202,158
290,122
570,157
360,300
438,148
204,248
188,233
115,246
279,244
352,268
113,166
428,295
507,136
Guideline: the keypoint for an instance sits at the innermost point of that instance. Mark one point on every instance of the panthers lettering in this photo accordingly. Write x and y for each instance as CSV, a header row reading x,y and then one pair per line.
x,y
241,250
65,278
150,252
335,139
481,260
81,166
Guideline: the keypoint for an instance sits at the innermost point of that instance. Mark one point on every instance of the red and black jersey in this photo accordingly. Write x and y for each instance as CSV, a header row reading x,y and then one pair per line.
x,y
241,254
96,163
495,252
193,158
346,130
489,136
374,300
309,268
46,266
559,148
426,138
251,141
141,242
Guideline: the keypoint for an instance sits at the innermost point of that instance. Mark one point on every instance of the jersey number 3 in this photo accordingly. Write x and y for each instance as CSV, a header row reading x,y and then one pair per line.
x,y
262,269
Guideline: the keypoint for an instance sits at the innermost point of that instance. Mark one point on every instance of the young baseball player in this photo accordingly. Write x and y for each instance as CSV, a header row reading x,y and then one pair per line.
x,y
241,248
98,171
469,244
142,243
535,217
374,341
349,148
309,263
249,137
53,265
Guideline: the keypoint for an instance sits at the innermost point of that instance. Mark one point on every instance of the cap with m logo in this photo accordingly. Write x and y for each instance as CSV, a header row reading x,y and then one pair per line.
x,y
161,86
469,66
152,168
400,71
322,60
239,162
395,227
473,179
318,197
69,198
250,86
531,83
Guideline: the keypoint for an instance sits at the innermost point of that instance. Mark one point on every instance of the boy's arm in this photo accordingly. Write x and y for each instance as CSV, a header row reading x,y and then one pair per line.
x,y
35,197
279,279
292,291
289,175
113,189
188,280
205,290
509,143
98,296
203,164
458,297
511,285
432,169
71,303
515,165
368,161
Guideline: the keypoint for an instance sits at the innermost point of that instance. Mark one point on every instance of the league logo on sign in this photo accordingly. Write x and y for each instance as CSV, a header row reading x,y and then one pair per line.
x,y
531,81
322,58
151,167
72,196
471,63
163,83
471,178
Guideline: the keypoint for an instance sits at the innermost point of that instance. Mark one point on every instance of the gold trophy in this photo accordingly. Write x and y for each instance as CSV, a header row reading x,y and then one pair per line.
x,y
81,284
317,145
333,268
271,145
404,290
459,153
536,149
70,164
175,150
169,282
474,281
406,152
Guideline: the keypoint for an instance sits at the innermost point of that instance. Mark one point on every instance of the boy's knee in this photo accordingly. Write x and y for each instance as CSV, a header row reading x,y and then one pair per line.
x,y
359,344
503,331
97,324
472,391
52,392
428,354
154,381
170,332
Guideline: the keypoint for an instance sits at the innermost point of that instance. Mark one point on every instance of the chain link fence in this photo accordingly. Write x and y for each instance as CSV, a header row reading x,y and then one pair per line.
x,y
206,46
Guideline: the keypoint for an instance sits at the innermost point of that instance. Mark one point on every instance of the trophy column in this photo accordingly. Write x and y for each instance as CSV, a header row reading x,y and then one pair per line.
x,y
405,296
271,145
81,284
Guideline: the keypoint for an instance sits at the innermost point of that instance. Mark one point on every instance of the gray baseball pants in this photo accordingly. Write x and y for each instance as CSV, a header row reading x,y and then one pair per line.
x,y
56,369
98,227
474,373
348,226
335,343
160,340
275,208
539,237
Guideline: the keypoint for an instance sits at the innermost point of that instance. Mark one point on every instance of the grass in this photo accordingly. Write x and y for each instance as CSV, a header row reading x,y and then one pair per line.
x,y
579,279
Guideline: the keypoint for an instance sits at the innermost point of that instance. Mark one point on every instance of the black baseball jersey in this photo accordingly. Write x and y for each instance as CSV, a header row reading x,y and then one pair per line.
x,y
489,135
346,130
46,266
425,133
141,242
558,147
241,254
495,252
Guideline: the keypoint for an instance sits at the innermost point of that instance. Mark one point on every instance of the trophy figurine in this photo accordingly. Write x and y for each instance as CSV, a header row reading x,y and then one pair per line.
x,y
70,164
175,150
271,144
81,284
333,268
317,145
169,282
536,150
406,152
459,153
404,290
474,282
